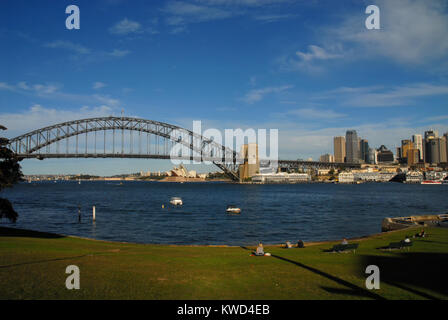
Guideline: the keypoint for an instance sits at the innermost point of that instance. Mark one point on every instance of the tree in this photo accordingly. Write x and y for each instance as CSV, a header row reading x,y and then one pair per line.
x,y
10,174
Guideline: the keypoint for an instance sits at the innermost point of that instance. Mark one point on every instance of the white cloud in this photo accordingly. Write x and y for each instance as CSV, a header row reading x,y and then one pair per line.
x,y
412,32
268,18
68,45
310,61
377,96
24,87
38,116
316,114
99,85
119,53
317,53
125,27
256,95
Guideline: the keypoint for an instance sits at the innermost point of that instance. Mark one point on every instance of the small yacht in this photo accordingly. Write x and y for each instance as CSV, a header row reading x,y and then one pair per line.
x,y
233,209
176,201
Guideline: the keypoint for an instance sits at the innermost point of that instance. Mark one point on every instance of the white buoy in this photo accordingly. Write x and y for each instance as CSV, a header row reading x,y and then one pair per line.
x,y
93,213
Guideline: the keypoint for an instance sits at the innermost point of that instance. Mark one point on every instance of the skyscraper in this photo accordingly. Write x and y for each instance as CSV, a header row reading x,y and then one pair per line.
x,y
364,144
417,139
351,146
339,149
431,152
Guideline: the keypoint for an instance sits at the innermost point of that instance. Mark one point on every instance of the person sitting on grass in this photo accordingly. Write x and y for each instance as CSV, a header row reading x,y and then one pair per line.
x,y
344,241
288,245
300,244
406,239
421,234
260,251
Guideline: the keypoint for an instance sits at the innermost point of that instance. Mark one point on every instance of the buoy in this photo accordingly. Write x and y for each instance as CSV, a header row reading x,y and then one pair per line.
x,y
163,206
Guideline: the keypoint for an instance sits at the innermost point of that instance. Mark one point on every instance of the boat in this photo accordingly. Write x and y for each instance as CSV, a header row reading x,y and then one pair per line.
x,y
176,201
233,209
431,182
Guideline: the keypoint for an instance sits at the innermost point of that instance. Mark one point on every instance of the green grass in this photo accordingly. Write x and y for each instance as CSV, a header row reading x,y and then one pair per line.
x,y
32,266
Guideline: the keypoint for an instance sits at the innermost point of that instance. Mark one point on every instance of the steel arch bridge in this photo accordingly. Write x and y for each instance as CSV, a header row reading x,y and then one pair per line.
x,y
113,137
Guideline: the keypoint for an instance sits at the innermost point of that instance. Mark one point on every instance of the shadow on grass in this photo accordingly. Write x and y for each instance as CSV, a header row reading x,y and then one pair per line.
x,y
409,270
352,289
12,232
43,261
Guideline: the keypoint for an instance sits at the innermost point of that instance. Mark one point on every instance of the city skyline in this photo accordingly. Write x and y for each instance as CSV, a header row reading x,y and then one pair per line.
x,y
310,70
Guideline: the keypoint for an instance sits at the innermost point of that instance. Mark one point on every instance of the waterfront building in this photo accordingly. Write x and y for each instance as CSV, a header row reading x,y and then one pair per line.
x,y
417,139
346,177
281,177
385,155
352,146
339,149
328,158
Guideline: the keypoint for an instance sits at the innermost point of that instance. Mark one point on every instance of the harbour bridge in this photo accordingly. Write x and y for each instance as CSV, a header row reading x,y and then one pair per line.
x,y
126,137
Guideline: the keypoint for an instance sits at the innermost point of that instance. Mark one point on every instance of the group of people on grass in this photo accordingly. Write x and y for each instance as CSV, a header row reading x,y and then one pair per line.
x,y
300,244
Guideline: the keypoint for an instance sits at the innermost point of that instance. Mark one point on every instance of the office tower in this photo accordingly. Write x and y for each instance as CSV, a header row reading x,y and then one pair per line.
x,y
413,157
351,146
442,150
385,155
417,139
373,154
429,147
446,144
436,150
328,158
339,149
431,134
399,153
364,144
405,146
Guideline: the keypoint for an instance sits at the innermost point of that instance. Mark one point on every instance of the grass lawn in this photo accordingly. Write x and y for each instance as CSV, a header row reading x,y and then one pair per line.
x,y
32,266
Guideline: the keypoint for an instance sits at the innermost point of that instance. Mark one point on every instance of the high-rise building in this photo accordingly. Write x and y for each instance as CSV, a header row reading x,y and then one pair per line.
x,y
364,150
436,150
430,152
446,144
413,157
373,156
417,139
405,146
339,149
328,158
431,134
443,157
352,146
385,155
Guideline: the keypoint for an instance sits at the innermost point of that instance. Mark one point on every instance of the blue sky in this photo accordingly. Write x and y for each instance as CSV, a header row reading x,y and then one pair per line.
x,y
307,68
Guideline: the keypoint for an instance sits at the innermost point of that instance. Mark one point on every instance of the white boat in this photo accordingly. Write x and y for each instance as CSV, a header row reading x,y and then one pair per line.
x,y
233,209
176,201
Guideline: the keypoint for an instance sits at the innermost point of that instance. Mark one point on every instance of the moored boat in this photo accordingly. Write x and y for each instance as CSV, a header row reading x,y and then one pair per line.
x,y
176,201
233,209
431,182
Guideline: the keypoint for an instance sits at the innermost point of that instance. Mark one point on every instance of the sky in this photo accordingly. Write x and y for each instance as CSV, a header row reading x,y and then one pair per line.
x,y
309,68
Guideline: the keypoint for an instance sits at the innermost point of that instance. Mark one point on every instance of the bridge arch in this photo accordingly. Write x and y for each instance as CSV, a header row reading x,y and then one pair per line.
x,y
37,143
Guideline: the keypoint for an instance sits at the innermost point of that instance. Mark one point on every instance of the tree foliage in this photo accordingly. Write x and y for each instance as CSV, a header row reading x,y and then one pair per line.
x,y
10,174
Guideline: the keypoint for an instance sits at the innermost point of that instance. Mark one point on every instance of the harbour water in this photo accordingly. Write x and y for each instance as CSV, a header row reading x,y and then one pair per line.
x,y
132,211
